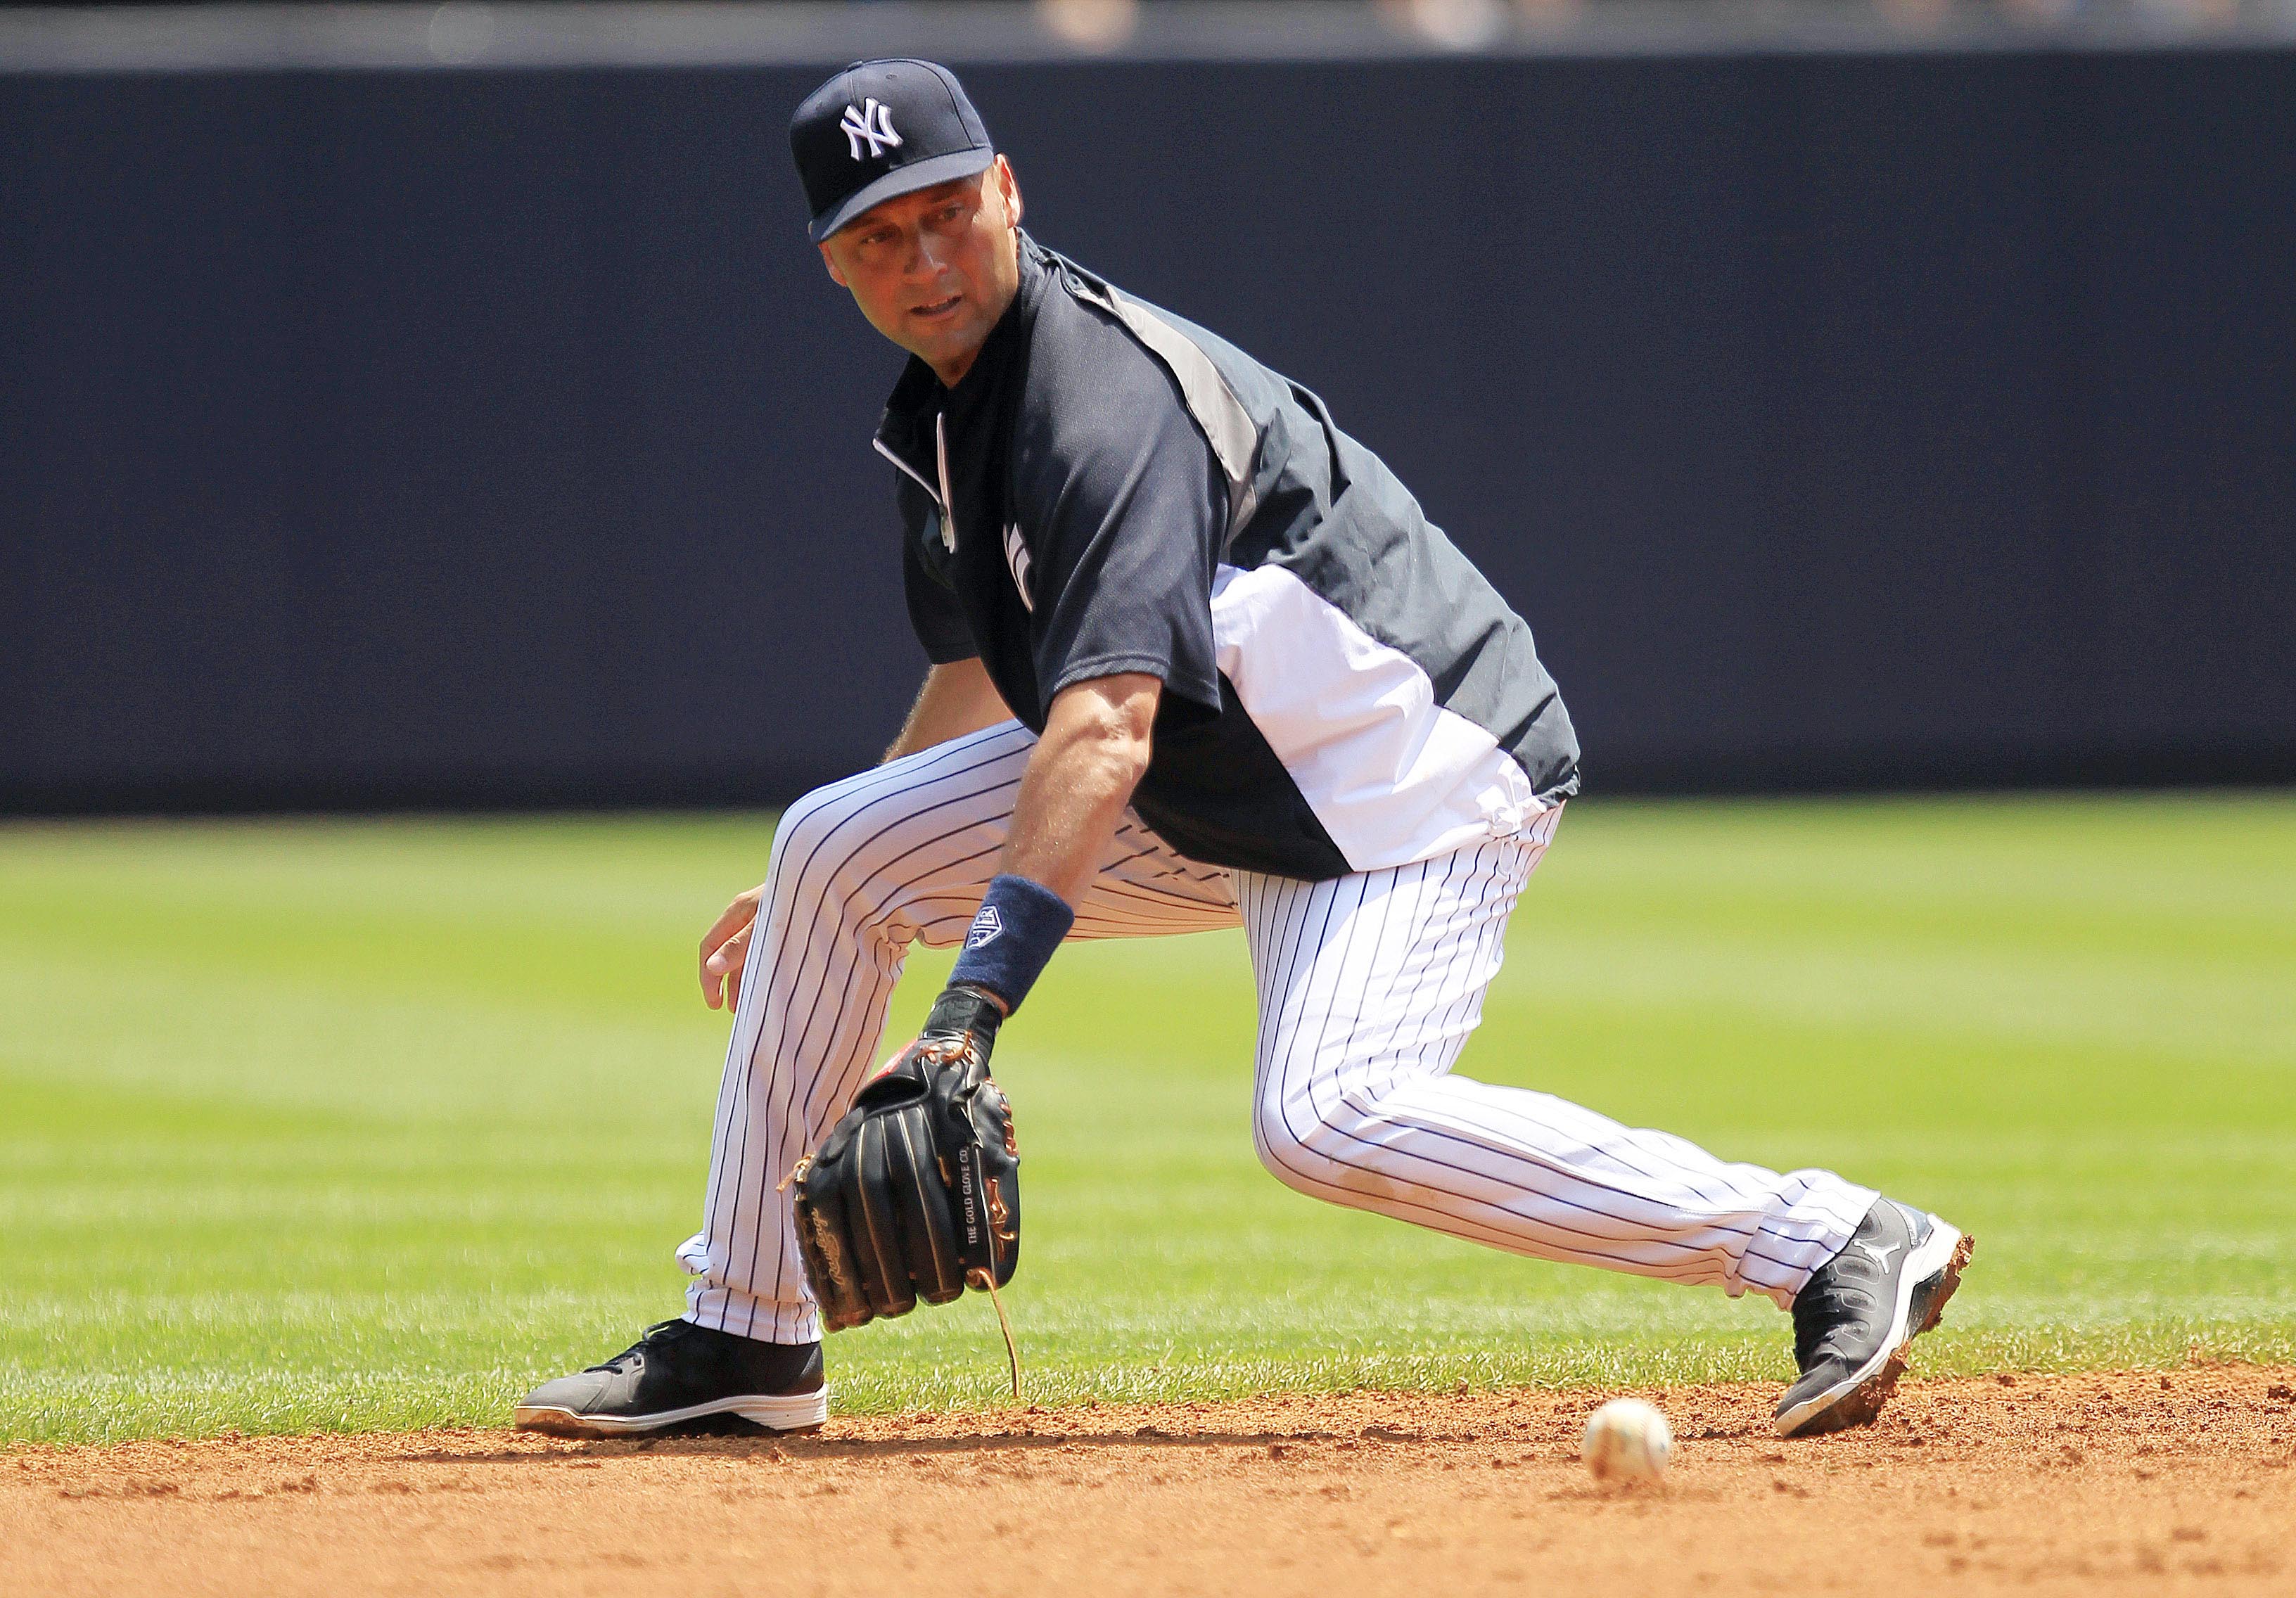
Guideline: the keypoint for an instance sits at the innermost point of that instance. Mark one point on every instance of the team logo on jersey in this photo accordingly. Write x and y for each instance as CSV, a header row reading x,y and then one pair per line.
x,y
869,123
987,927
1016,556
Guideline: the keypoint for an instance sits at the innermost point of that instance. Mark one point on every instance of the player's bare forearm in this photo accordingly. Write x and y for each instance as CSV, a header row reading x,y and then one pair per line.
x,y
1093,751
956,699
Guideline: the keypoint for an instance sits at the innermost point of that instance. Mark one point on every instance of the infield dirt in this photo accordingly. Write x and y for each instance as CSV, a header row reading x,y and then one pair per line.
x,y
2124,1482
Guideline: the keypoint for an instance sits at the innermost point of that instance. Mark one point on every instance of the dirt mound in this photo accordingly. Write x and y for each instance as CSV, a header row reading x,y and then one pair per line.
x,y
2130,1481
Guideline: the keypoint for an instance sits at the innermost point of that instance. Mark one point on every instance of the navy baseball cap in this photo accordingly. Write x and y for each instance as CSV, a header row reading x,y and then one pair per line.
x,y
881,128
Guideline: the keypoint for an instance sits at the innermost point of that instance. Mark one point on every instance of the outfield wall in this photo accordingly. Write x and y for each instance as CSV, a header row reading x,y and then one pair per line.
x,y
1838,417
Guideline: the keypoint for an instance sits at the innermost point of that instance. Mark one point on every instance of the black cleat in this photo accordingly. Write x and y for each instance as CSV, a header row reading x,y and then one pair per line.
x,y
1860,1309
687,1377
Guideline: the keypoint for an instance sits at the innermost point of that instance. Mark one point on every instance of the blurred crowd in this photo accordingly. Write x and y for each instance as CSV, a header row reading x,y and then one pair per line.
x,y
143,33
1477,24
1470,24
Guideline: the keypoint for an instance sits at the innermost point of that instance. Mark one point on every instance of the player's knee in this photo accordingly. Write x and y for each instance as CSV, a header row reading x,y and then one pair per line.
x,y
1289,1140
805,827
1317,1149
828,854
1282,1155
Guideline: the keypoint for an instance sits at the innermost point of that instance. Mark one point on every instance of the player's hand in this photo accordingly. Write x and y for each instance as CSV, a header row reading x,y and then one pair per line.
x,y
725,947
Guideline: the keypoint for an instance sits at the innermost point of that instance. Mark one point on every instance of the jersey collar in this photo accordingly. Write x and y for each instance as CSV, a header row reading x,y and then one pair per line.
x,y
905,433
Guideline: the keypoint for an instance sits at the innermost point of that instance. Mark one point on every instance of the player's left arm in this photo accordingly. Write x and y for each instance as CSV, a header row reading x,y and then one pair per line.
x,y
1092,755
1124,506
1079,777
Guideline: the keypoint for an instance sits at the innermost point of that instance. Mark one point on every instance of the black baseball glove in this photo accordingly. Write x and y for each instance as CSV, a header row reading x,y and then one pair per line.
x,y
916,1191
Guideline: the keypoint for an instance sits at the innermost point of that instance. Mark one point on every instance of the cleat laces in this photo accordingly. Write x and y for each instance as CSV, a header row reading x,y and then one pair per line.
x,y
658,1334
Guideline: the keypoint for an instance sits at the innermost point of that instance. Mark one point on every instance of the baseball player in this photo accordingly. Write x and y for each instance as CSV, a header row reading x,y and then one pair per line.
x,y
1198,660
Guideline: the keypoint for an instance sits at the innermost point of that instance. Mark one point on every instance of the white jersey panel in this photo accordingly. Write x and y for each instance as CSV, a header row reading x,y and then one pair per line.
x,y
1393,776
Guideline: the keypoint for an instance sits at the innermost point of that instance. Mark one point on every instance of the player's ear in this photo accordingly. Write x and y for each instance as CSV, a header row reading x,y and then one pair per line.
x,y
830,261
1009,186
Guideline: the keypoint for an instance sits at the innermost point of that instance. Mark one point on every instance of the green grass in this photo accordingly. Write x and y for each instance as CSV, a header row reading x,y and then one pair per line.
x,y
325,1126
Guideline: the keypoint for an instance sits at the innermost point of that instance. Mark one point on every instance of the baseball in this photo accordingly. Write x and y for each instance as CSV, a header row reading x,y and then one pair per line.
x,y
1627,1441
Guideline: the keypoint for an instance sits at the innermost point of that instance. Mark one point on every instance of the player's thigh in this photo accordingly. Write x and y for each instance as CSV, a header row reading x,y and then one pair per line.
x,y
1382,973
1144,888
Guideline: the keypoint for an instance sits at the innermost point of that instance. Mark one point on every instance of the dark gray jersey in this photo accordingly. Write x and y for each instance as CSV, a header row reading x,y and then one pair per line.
x,y
1112,489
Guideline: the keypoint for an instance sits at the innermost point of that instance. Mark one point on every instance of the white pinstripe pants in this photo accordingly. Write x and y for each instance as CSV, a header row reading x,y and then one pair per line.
x,y
1369,985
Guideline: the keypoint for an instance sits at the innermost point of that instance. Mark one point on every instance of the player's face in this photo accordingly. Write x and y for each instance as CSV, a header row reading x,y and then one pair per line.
x,y
933,271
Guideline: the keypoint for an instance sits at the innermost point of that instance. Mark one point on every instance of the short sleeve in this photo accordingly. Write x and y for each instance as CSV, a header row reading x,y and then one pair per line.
x,y
934,613
1124,506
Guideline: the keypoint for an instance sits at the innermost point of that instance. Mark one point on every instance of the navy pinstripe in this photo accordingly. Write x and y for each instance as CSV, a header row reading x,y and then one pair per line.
x,y
1370,986
860,870
1368,1114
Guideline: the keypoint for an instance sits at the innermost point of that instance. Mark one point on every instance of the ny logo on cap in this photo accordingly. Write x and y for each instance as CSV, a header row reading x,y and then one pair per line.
x,y
869,123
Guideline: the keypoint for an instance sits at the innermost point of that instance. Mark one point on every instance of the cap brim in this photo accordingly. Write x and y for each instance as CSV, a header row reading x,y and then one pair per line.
x,y
901,180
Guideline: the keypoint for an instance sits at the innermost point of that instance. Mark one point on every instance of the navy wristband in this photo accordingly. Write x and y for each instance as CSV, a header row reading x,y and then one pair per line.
x,y
1020,925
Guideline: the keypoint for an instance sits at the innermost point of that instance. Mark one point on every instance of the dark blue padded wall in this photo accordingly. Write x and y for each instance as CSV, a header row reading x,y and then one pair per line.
x,y
493,437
